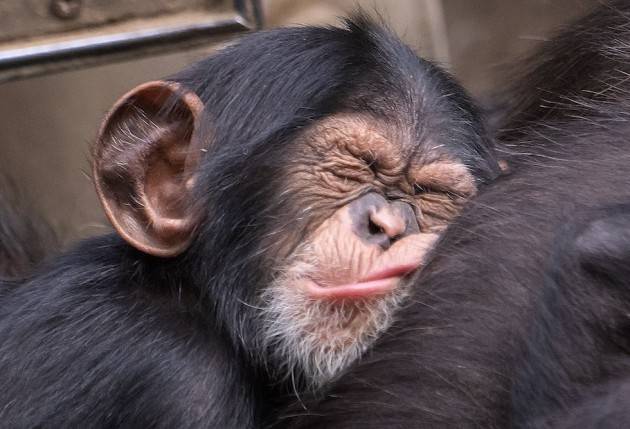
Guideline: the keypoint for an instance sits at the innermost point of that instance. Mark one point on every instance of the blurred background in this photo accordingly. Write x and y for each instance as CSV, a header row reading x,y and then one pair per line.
x,y
63,63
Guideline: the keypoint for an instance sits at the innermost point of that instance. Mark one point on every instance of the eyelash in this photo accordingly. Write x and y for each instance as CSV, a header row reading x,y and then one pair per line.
x,y
423,189
371,163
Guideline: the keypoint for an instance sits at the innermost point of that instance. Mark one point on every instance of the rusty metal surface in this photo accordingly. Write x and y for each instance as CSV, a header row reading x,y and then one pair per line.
x,y
53,35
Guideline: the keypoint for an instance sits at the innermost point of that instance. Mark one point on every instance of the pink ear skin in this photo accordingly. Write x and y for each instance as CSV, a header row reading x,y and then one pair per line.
x,y
145,159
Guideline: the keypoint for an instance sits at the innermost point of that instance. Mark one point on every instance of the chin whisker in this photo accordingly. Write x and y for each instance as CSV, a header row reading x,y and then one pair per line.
x,y
312,341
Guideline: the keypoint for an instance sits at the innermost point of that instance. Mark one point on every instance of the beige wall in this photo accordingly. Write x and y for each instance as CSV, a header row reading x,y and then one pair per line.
x,y
47,123
485,36
419,22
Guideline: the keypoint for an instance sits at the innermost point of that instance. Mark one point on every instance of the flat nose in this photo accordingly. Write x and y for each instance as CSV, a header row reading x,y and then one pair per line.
x,y
385,220
378,221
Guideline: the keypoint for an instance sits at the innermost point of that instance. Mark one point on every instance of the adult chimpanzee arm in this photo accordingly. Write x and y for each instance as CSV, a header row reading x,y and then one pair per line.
x,y
575,362
578,68
605,407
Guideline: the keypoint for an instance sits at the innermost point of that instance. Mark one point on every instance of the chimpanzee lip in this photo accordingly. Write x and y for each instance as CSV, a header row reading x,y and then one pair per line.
x,y
378,282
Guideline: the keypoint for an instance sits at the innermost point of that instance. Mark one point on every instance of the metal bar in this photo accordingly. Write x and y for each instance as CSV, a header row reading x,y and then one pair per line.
x,y
252,9
120,42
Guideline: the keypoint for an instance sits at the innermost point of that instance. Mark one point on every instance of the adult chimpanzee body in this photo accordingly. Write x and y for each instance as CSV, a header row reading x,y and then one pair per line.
x,y
521,318
269,203
575,371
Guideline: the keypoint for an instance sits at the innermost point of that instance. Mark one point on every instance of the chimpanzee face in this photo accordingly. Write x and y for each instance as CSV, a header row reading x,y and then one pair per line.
x,y
373,203
316,187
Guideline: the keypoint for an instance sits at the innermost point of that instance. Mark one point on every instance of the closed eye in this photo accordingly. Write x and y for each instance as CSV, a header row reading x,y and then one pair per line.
x,y
419,189
371,162
443,178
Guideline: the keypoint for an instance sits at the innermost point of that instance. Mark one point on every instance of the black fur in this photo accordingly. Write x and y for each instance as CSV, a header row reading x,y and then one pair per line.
x,y
108,337
520,320
575,366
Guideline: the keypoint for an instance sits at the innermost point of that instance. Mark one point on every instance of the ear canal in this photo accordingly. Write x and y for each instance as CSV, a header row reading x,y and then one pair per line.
x,y
145,159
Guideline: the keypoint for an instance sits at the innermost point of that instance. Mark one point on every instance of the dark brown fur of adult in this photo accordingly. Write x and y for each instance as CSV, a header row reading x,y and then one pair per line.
x,y
520,320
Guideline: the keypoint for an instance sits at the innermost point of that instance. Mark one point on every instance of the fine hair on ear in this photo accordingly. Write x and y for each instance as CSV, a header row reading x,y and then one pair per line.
x,y
145,159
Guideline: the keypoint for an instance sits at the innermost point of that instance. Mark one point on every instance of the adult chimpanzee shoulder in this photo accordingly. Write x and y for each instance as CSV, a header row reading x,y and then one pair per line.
x,y
520,319
270,203
575,367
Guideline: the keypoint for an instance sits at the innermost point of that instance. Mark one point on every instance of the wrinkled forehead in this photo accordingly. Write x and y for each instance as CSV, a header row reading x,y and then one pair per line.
x,y
422,113
389,142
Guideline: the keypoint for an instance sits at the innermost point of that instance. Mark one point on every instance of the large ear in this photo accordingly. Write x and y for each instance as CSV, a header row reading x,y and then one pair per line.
x,y
145,159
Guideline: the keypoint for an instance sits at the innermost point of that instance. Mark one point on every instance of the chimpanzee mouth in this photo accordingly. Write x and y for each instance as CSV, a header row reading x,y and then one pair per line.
x,y
313,339
378,282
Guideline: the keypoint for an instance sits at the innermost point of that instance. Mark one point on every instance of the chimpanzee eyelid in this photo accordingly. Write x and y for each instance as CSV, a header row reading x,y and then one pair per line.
x,y
424,189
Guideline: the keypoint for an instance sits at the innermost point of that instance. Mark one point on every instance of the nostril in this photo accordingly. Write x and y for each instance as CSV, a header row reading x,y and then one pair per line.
x,y
387,222
375,221
374,228
377,235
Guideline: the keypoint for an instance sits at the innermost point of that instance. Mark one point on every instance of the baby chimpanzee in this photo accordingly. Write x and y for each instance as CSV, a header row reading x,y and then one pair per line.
x,y
269,202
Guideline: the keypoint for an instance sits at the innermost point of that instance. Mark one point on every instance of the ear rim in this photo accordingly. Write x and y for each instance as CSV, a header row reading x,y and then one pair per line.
x,y
196,107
